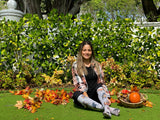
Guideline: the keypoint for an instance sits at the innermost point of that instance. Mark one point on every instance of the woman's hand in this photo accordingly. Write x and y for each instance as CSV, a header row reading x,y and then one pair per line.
x,y
85,94
109,102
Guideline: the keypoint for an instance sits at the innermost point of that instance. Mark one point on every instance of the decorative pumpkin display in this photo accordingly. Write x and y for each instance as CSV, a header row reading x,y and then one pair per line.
x,y
134,97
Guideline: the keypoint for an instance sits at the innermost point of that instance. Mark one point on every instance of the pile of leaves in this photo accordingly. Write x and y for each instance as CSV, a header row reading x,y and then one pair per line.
x,y
125,95
33,103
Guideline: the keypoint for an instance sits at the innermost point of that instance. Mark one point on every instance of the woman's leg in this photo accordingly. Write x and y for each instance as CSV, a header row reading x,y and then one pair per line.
x,y
89,103
114,111
103,97
81,100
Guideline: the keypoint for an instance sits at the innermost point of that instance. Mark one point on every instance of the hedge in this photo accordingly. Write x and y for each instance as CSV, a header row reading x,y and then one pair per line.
x,y
34,46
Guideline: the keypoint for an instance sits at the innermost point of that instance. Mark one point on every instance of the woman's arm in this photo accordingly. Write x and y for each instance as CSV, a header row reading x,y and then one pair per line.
x,y
79,82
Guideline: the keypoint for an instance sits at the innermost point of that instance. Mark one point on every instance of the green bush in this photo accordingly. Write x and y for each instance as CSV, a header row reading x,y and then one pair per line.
x,y
44,45
37,81
122,76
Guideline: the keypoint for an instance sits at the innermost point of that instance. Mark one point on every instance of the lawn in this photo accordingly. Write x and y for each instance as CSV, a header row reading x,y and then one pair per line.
x,y
49,111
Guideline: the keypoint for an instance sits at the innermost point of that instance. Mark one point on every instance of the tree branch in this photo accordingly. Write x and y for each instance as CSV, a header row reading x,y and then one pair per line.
x,y
76,6
48,6
150,10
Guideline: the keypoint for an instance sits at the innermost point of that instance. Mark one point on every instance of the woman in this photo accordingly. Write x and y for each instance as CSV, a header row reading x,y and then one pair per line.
x,y
88,79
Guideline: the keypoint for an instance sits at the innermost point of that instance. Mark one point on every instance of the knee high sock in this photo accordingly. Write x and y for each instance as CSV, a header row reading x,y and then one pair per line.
x,y
103,97
114,111
88,102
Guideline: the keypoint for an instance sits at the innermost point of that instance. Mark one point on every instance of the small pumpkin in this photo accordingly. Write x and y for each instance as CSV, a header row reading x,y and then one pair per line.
x,y
124,91
134,97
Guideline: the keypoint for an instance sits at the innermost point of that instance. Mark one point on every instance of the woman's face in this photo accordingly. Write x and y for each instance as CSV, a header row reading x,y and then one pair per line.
x,y
86,52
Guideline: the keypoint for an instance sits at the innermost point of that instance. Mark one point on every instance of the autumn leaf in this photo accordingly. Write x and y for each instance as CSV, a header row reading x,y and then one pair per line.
x,y
33,109
70,94
118,101
11,92
27,90
19,104
143,110
134,88
74,90
39,94
130,118
25,96
53,96
19,92
112,100
47,91
148,104
113,92
62,91
64,102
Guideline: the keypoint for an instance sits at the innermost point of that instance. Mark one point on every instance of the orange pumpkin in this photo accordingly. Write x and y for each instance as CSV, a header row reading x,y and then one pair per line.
x,y
134,97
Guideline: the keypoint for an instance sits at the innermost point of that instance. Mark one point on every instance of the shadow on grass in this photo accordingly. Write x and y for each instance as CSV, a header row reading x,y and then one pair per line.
x,y
79,106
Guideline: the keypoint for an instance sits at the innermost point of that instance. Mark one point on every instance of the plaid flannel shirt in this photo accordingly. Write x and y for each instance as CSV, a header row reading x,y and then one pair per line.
x,y
80,82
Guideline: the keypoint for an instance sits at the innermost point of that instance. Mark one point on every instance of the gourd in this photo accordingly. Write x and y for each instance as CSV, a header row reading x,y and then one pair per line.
x,y
134,97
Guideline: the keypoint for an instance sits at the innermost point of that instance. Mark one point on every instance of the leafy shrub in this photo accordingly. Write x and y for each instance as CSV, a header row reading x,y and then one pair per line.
x,y
6,79
114,73
20,82
158,85
38,80
141,74
55,79
32,46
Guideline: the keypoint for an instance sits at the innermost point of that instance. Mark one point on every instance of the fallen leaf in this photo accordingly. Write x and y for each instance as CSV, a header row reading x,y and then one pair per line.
x,y
27,90
19,92
118,101
11,92
74,90
112,100
70,94
33,103
148,104
143,110
33,109
19,104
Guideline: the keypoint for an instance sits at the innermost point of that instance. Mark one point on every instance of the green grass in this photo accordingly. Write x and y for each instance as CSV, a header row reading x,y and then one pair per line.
x,y
49,111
